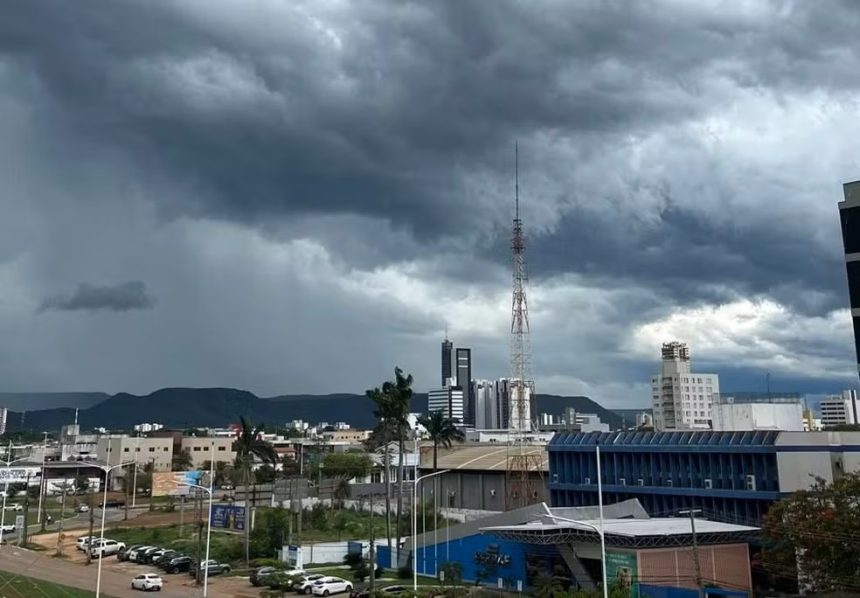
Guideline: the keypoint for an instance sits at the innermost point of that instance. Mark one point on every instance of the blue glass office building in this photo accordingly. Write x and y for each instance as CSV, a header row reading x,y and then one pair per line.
x,y
731,476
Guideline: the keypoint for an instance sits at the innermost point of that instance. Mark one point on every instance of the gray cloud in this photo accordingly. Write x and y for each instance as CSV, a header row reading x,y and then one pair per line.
x,y
673,155
123,296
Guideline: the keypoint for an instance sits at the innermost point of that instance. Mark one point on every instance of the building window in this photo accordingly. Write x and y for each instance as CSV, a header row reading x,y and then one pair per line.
x,y
125,450
222,448
137,450
152,449
165,449
196,449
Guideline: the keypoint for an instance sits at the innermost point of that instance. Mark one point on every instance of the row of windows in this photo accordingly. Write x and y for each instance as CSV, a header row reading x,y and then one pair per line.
x,y
166,449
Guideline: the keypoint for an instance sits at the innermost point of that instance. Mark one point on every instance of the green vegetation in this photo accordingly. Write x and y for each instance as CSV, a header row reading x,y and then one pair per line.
x,y
250,446
822,524
16,586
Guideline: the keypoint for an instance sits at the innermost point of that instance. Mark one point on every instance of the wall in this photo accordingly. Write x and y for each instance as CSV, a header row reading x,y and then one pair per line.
x,y
464,551
201,450
758,416
724,565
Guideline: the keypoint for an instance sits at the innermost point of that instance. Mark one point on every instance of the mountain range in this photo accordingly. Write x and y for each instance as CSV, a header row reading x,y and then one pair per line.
x,y
217,407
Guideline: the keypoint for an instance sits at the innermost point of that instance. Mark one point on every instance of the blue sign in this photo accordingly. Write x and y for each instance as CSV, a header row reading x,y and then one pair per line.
x,y
228,517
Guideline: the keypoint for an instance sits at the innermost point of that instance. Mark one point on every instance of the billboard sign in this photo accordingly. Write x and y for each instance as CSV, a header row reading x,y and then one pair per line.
x,y
228,517
175,483
622,571
17,475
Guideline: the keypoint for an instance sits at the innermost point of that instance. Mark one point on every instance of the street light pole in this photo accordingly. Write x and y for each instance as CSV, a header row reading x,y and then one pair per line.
x,y
209,491
600,508
692,513
107,469
594,528
42,485
415,525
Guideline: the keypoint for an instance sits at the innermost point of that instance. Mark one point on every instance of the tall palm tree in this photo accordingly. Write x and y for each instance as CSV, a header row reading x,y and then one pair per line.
x,y
443,431
250,446
392,403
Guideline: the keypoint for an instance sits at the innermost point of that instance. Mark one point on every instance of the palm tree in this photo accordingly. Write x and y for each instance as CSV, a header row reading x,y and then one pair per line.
x,y
250,446
441,430
392,408
342,492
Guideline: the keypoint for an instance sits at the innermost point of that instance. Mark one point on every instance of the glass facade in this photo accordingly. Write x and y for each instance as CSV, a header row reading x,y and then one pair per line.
x,y
731,476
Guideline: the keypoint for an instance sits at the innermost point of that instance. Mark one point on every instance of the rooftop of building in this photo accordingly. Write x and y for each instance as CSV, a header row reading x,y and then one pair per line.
x,y
482,457
706,438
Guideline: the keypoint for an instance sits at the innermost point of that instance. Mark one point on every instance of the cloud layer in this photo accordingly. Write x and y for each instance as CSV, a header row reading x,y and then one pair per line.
x,y
315,190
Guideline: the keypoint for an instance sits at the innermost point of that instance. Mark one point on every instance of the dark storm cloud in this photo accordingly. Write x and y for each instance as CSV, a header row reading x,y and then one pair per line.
x,y
124,296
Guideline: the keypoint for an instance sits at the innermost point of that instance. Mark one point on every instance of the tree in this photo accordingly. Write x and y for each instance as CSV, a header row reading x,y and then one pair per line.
x,y
182,460
346,465
815,533
82,484
250,446
264,474
392,408
342,492
442,431
289,466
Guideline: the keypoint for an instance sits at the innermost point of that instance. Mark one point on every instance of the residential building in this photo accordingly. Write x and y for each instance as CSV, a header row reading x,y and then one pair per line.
x,y
114,450
840,410
644,420
448,400
201,450
353,436
682,399
4,413
731,476
849,216
755,411
75,446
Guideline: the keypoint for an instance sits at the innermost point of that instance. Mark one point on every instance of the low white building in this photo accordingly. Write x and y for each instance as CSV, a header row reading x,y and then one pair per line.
x,y
739,417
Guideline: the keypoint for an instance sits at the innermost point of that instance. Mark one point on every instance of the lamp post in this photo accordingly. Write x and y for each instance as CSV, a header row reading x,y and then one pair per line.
x,y
107,469
210,491
8,464
42,485
415,525
599,531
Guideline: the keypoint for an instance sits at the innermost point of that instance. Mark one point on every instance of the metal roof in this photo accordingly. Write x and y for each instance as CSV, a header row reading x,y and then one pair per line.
x,y
484,457
685,438
663,531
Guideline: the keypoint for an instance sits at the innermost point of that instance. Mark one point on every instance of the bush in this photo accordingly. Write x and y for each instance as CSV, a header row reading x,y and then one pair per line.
x,y
404,572
361,572
379,572
353,560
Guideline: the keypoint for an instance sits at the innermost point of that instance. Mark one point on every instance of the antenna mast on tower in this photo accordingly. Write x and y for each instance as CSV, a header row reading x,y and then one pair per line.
x,y
524,471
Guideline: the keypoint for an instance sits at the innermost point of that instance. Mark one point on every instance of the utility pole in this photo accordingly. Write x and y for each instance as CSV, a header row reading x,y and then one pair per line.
x,y
62,516
24,534
692,513
125,483
372,550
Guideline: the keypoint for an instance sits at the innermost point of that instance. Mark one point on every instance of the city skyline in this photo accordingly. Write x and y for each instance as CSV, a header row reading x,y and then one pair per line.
x,y
271,199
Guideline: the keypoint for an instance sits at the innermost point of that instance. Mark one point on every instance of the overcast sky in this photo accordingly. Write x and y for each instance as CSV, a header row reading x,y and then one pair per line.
x,y
296,196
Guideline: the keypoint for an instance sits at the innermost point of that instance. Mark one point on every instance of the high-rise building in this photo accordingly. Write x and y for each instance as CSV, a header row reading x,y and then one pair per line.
x,y
4,413
447,361
486,405
464,381
448,400
840,410
682,399
849,215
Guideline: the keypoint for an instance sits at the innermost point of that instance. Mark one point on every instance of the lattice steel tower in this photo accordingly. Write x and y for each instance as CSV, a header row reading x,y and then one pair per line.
x,y
524,471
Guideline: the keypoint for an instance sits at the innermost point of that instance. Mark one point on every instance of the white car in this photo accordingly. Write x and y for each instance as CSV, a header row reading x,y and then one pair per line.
x,y
14,507
8,528
105,548
84,509
331,585
83,542
134,554
148,582
305,584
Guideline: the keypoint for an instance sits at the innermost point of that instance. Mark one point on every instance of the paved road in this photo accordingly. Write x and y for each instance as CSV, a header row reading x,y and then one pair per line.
x,y
116,577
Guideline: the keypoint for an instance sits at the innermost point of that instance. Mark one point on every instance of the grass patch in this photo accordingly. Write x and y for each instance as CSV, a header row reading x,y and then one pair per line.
x,y
17,586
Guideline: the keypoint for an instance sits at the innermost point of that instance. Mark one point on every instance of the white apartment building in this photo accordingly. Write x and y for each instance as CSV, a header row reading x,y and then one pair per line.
x,y
840,410
447,400
682,399
200,449
114,450
4,413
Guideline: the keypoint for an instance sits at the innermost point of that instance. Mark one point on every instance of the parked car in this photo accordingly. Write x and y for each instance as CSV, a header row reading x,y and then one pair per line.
x,y
84,509
8,528
135,555
260,574
214,567
147,582
14,507
124,553
331,585
83,542
179,564
305,583
106,547
114,502
145,556
164,557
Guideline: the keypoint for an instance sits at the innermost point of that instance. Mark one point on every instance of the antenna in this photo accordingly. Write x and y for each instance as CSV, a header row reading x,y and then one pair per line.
x,y
517,179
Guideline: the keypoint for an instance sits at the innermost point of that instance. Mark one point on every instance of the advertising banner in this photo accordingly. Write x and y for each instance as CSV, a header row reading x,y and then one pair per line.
x,y
175,483
17,475
622,570
228,517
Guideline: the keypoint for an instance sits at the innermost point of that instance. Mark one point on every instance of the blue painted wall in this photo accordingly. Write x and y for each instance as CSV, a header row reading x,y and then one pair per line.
x,y
464,551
